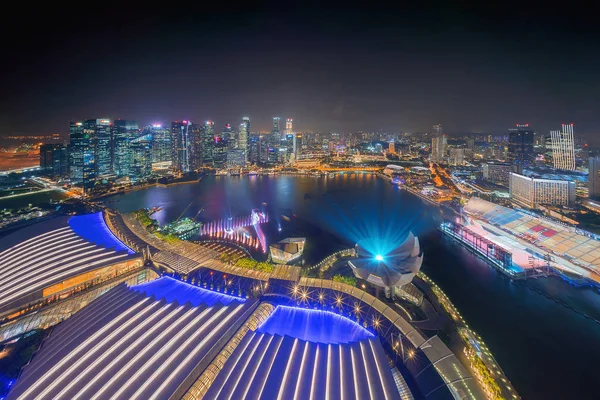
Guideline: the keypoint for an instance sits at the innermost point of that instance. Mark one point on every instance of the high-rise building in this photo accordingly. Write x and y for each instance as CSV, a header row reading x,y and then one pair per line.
x,y
208,143
563,148
533,192
243,140
99,133
437,130
594,178
254,150
457,156
161,143
220,152
288,126
53,160
438,148
140,151
497,172
79,144
228,134
236,158
520,145
196,146
180,145
123,132
298,143
392,147
276,121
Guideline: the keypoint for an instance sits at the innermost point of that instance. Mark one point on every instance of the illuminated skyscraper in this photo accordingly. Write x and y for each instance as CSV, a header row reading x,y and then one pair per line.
x,y
594,178
437,130
140,153
243,139
180,145
219,152
276,125
208,143
161,143
392,147
288,126
53,159
520,145
228,134
79,150
123,132
563,148
99,133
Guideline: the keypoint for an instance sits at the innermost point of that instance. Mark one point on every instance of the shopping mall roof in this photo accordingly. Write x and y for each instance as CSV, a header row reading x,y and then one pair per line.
x,y
304,354
50,252
140,342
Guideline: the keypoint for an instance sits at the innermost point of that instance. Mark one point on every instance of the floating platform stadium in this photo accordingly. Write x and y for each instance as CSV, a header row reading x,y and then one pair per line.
x,y
188,326
519,243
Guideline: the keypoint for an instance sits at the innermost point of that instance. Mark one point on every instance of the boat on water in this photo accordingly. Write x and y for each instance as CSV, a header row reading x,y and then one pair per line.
x,y
153,210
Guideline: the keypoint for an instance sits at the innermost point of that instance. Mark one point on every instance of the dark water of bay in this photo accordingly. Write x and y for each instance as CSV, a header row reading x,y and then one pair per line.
x,y
546,349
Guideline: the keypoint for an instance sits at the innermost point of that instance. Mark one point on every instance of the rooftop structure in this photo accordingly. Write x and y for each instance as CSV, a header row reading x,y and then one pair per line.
x,y
131,343
47,259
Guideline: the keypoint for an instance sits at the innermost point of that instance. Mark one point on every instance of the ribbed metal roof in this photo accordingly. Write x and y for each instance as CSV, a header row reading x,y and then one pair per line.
x,y
39,257
127,345
269,366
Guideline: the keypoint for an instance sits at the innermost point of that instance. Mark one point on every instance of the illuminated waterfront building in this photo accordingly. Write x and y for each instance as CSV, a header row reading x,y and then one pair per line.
x,y
81,156
99,133
563,148
236,158
161,143
533,192
243,139
180,146
220,152
123,132
389,269
287,251
520,145
228,134
208,143
391,147
140,156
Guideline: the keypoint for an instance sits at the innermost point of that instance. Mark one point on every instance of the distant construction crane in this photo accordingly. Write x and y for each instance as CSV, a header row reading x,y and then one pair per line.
x,y
183,212
198,213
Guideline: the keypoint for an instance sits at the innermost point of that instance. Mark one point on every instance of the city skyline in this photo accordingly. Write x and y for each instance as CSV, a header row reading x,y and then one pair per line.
x,y
474,69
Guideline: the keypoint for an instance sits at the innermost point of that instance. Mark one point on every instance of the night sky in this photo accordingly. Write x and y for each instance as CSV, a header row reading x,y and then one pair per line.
x,y
471,68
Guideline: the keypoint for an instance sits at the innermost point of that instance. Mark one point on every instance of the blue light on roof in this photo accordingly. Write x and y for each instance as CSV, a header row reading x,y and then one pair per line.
x,y
92,228
313,326
173,290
